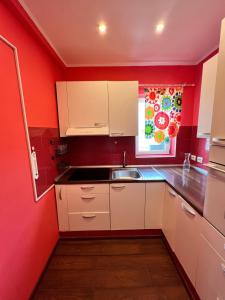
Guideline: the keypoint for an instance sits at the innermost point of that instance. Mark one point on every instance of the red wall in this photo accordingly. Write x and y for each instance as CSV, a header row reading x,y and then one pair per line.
x,y
105,150
28,230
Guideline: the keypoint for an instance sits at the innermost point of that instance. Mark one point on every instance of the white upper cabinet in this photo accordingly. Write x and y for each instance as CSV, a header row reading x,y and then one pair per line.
x,y
207,97
83,108
123,108
218,121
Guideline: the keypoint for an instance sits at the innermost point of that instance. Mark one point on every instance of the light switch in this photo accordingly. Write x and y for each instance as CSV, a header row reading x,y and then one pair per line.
x,y
193,157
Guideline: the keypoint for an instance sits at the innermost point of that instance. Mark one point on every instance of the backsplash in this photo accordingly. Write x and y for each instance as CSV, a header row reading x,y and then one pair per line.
x,y
103,150
199,147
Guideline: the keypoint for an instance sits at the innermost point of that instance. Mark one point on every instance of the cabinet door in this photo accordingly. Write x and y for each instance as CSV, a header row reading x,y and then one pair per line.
x,y
207,97
123,108
210,279
187,237
87,104
127,204
218,121
61,200
155,194
169,216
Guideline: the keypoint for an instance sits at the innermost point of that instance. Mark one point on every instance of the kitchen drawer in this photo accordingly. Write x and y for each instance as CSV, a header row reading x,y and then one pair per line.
x,y
88,202
79,189
214,237
210,279
89,221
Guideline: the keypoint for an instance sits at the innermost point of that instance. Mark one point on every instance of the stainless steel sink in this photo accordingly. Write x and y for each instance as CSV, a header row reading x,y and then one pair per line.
x,y
126,174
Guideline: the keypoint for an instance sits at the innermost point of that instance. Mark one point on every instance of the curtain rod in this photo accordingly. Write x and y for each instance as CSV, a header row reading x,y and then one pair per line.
x,y
165,84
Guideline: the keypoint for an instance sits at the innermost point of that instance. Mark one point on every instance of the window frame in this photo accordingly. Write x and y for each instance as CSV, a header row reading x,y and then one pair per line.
x,y
151,153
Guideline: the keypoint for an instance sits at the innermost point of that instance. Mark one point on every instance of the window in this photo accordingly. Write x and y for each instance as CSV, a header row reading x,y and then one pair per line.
x,y
159,116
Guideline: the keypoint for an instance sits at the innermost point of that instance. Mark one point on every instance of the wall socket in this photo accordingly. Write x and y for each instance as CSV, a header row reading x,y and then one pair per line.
x,y
200,159
193,157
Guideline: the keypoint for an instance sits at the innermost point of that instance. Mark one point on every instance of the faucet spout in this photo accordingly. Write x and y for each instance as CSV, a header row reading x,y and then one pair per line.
x,y
124,159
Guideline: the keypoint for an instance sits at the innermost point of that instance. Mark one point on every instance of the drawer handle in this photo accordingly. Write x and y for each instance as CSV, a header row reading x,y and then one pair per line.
x,y
172,193
188,210
87,197
118,186
60,194
87,187
88,216
223,267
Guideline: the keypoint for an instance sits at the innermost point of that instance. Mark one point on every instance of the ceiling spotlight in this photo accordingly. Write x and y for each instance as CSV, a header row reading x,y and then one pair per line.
x,y
160,27
102,28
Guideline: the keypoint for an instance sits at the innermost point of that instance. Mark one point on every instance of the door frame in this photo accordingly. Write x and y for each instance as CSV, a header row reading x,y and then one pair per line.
x,y
22,102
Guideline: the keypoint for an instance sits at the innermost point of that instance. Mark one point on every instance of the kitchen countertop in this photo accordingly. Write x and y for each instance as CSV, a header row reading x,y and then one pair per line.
x,y
190,185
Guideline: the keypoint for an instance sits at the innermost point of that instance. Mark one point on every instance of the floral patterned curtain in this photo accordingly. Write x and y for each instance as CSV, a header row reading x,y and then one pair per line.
x,y
163,108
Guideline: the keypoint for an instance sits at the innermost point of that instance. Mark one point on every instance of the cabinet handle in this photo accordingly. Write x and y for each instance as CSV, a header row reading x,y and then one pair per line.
x,y
87,216
87,187
117,133
60,194
118,186
188,209
217,141
214,167
99,124
223,267
172,193
88,197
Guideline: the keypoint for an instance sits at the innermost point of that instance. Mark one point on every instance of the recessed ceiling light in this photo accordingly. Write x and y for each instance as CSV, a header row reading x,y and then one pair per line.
x,y
160,27
102,28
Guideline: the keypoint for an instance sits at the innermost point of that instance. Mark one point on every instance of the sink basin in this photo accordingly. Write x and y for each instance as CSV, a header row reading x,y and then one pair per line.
x,y
126,174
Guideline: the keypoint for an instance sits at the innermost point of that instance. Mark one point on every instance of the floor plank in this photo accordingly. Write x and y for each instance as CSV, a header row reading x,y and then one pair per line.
x,y
111,269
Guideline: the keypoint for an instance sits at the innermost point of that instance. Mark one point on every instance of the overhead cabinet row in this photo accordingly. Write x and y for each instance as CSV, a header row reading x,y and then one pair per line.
x,y
97,108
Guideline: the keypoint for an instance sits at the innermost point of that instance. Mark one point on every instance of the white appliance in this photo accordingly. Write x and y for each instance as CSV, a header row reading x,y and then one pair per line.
x,y
214,210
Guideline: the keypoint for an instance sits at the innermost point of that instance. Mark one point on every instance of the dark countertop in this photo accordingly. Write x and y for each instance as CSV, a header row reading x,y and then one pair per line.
x,y
189,185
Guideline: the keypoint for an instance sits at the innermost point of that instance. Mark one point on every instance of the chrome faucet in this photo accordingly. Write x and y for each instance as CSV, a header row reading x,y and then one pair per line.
x,y
124,159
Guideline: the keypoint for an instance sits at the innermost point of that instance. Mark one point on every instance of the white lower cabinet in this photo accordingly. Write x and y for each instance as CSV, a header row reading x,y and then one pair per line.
x,y
127,205
170,216
187,238
155,194
83,207
210,278
61,201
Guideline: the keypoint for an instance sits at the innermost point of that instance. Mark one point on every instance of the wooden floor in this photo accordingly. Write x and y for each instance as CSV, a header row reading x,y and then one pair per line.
x,y
111,269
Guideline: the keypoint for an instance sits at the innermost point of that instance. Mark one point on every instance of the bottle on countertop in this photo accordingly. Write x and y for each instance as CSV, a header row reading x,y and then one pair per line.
x,y
186,163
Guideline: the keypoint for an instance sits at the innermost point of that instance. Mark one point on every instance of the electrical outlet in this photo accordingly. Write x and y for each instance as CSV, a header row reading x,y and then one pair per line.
x,y
200,159
193,157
